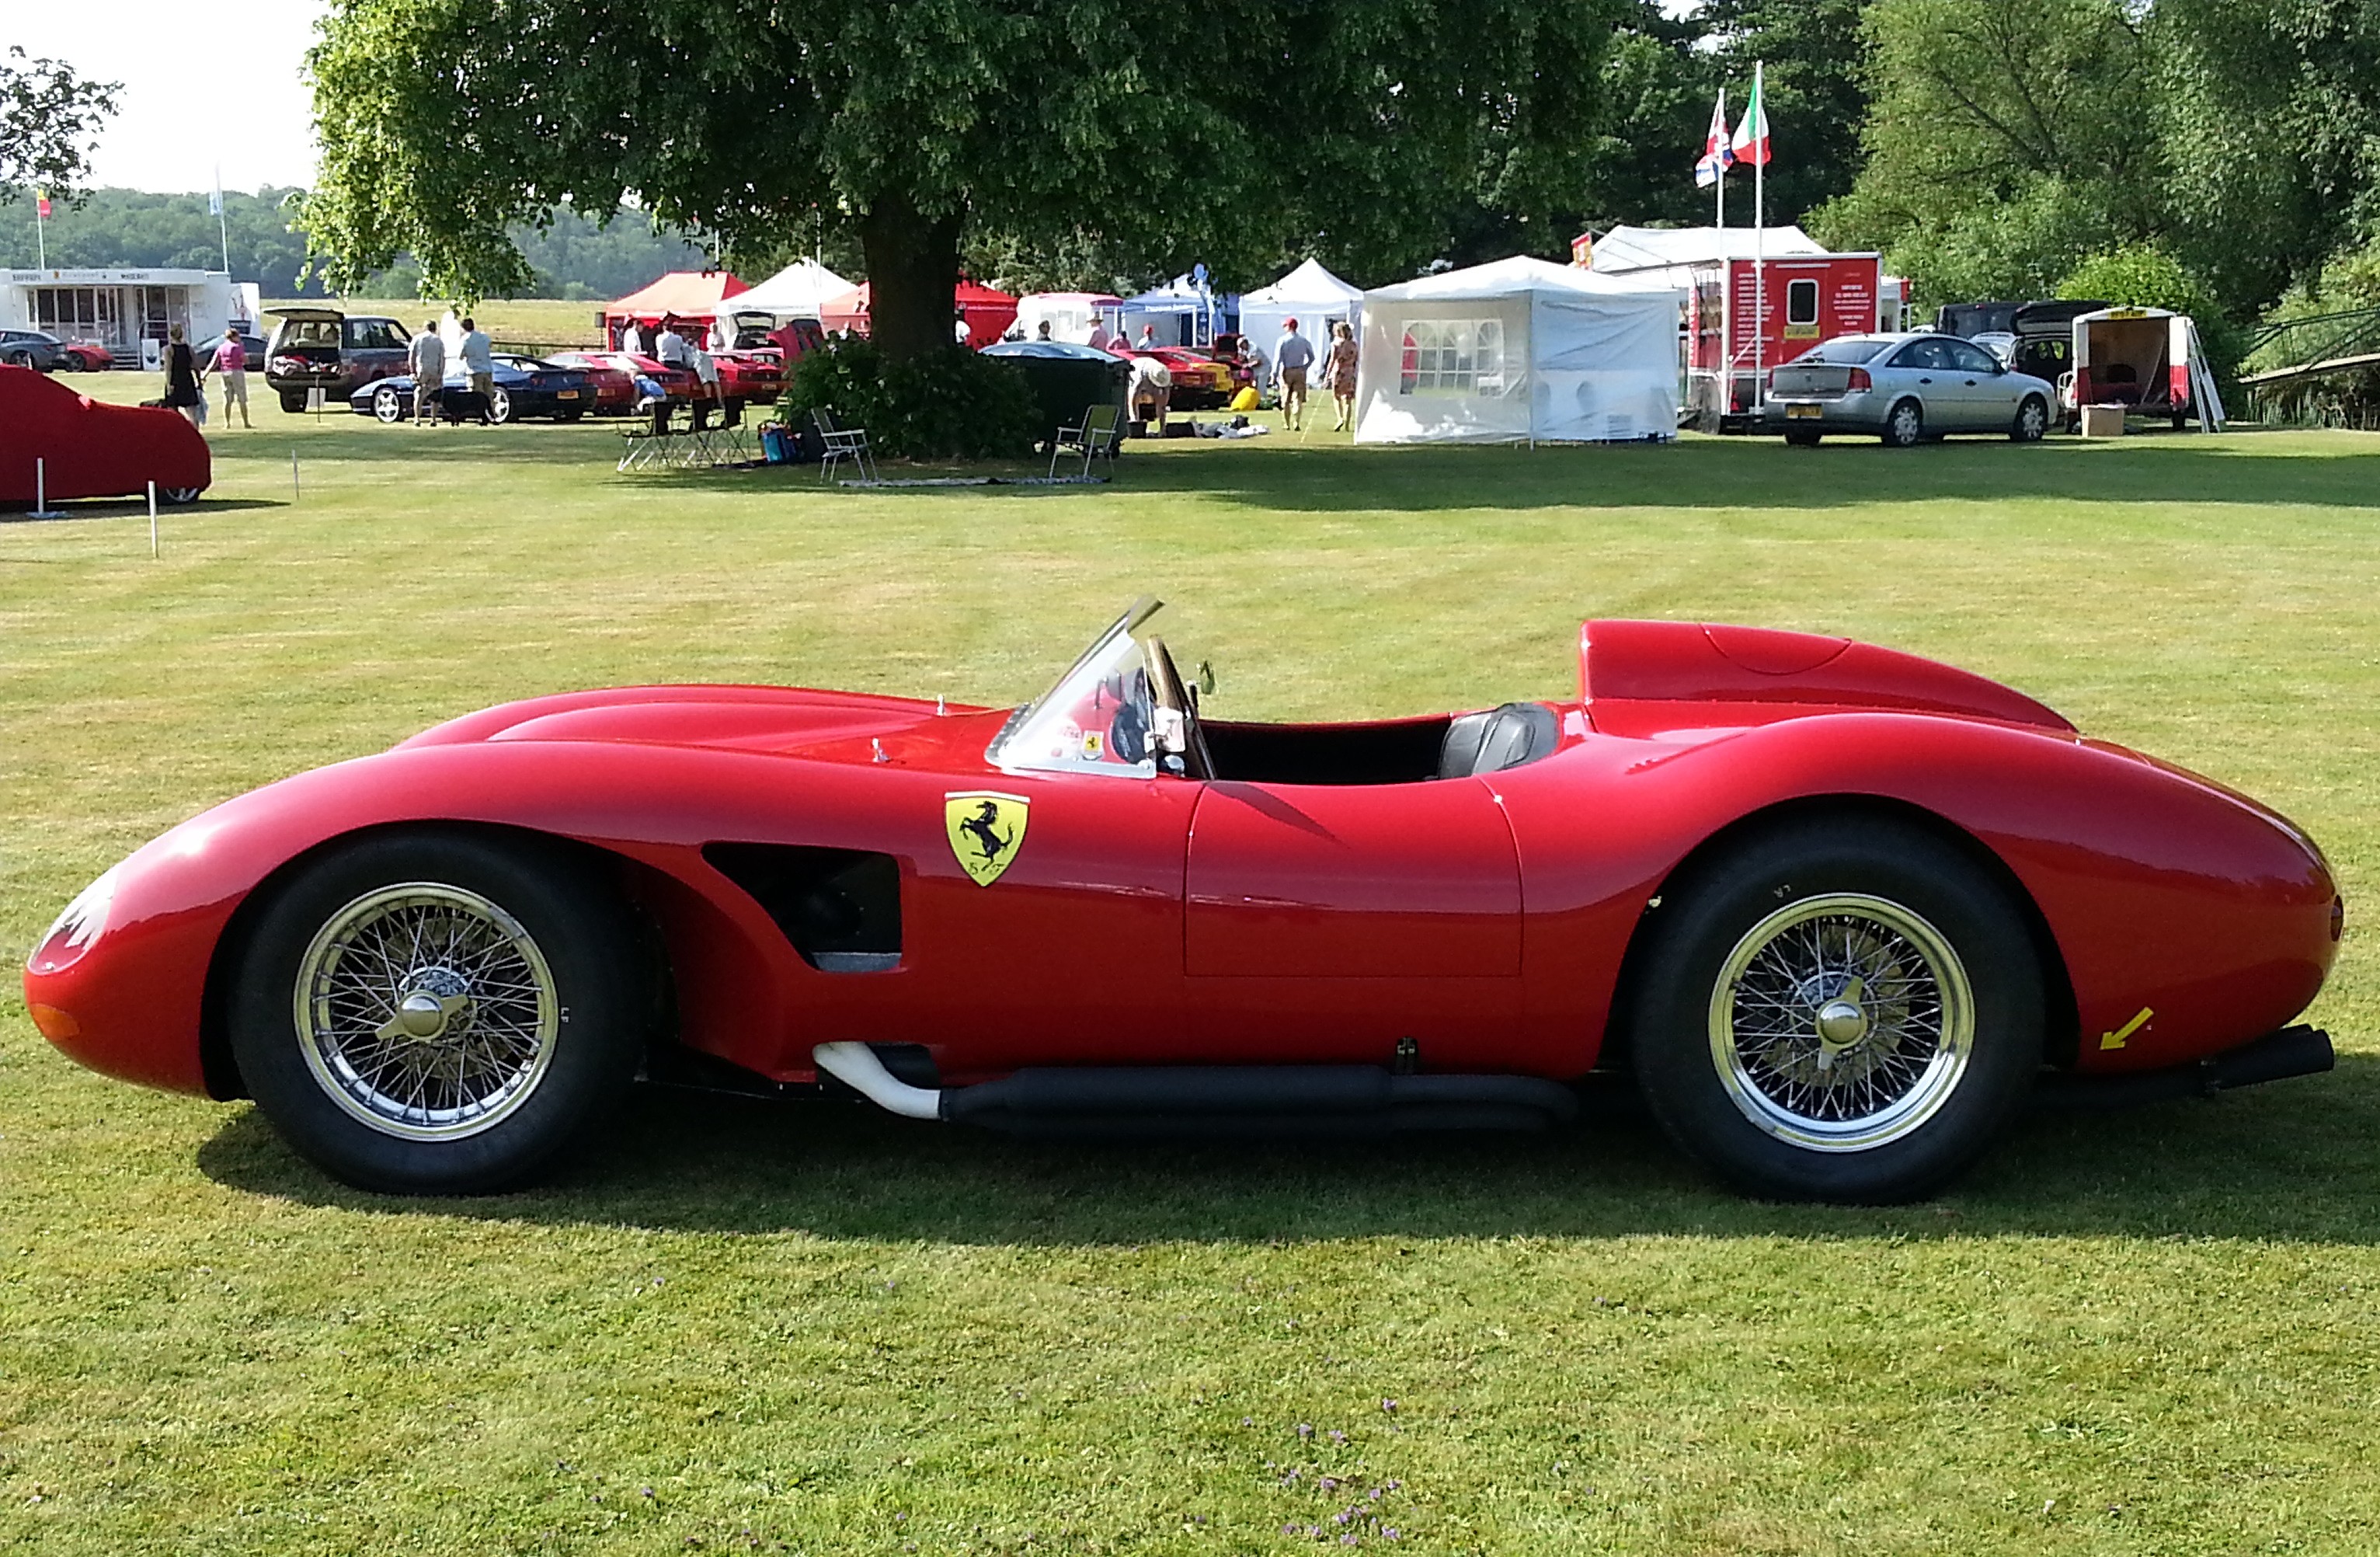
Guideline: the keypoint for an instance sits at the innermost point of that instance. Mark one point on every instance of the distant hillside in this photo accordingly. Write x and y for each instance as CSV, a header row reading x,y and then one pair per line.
x,y
573,258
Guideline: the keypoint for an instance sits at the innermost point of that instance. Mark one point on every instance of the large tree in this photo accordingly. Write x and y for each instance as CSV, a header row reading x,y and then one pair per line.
x,y
47,116
1233,132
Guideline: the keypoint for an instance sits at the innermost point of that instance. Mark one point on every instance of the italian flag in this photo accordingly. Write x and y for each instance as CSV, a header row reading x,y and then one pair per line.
x,y
1750,142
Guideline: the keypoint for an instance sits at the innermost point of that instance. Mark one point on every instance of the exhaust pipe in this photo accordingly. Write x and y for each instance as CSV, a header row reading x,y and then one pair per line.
x,y
2276,1056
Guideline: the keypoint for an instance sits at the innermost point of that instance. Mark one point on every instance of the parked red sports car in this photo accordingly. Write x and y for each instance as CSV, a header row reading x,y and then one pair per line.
x,y
88,356
677,384
1201,383
1837,908
91,449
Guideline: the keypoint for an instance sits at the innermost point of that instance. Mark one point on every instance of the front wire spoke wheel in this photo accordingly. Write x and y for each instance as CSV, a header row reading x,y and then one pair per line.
x,y
1841,1023
426,1011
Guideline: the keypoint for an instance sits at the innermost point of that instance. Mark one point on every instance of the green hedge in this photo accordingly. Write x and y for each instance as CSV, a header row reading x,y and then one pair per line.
x,y
955,405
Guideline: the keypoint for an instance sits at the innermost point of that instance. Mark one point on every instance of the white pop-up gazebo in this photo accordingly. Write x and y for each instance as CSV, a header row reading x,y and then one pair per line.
x,y
1310,294
796,292
1518,351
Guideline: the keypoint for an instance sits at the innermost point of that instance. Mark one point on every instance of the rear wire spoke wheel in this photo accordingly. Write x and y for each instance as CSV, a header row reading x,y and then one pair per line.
x,y
441,1011
1841,1023
1841,1008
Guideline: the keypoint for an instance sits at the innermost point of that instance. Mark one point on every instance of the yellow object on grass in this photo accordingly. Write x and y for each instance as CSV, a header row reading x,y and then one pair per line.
x,y
1245,400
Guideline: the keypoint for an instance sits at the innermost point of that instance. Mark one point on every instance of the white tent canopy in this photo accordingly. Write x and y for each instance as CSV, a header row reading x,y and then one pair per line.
x,y
1310,294
1642,249
1518,350
794,292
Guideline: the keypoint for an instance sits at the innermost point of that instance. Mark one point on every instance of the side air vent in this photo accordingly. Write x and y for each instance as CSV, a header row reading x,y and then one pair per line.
x,y
841,909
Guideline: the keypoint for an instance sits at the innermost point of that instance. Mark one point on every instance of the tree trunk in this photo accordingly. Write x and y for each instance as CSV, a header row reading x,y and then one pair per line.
x,y
913,276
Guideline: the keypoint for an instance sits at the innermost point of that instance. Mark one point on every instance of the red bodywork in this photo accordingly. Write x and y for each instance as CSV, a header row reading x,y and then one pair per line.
x,y
90,448
1488,918
90,357
676,384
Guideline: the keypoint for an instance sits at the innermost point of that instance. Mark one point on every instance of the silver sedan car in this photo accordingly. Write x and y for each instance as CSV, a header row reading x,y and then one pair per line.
x,y
1904,389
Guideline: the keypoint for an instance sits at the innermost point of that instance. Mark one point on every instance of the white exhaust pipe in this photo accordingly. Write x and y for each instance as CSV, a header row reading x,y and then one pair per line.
x,y
857,1066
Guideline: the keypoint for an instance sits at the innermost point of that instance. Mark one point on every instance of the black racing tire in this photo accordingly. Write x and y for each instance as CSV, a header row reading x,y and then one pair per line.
x,y
2032,420
1732,994
1904,425
1799,439
554,1025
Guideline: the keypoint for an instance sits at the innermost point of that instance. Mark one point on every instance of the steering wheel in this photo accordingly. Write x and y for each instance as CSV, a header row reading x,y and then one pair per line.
x,y
1165,681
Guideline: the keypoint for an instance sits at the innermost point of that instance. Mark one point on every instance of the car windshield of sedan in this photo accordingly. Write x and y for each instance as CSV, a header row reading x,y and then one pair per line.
x,y
1097,718
1845,349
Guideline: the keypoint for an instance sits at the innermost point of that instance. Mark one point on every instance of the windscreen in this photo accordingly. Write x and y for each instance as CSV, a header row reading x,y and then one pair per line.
x,y
1096,718
1845,349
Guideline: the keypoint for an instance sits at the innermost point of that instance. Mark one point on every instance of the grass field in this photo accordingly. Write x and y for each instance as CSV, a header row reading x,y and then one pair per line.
x,y
823,1330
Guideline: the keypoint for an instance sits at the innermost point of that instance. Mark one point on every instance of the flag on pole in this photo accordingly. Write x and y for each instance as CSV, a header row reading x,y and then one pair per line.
x,y
42,204
214,200
1750,142
1718,156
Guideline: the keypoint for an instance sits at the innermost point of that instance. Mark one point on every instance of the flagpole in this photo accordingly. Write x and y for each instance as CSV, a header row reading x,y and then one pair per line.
x,y
41,239
223,226
1759,250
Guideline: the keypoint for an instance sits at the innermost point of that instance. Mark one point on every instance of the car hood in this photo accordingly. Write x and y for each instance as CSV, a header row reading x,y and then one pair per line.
x,y
788,721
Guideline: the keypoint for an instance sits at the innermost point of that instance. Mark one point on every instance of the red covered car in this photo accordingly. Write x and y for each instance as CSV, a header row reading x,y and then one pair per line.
x,y
1836,909
89,448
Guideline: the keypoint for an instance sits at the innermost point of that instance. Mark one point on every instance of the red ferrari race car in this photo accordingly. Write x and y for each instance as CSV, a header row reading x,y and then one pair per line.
x,y
89,448
1838,910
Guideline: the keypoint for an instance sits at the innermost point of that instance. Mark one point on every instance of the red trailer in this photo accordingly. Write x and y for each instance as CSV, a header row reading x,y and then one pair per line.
x,y
1745,317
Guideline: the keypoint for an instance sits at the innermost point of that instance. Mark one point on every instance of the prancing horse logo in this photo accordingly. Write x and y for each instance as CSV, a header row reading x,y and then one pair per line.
x,y
985,831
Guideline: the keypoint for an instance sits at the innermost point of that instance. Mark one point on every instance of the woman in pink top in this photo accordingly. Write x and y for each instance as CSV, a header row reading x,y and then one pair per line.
x,y
230,365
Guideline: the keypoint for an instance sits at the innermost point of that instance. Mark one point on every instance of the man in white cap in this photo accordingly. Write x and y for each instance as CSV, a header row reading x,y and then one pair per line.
x,y
1292,356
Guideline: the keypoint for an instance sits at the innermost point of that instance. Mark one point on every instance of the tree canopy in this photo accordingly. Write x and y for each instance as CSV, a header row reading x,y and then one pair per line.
x,y
48,113
1231,133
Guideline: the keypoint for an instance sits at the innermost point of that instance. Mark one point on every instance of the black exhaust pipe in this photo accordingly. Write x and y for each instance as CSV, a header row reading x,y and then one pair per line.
x,y
2276,1056
1291,1102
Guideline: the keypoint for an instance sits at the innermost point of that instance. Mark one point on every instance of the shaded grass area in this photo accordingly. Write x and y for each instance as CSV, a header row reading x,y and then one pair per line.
x,y
817,1328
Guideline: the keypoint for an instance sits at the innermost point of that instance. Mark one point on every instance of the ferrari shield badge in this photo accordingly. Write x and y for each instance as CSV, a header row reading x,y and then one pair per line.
x,y
986,832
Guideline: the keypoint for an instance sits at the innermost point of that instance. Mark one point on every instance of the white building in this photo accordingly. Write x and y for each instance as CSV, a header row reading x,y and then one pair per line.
x,y
120,308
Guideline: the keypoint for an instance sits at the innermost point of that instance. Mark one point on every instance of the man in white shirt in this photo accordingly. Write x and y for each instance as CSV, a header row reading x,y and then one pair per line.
x,y
1292,356
671,349
427,356
480,362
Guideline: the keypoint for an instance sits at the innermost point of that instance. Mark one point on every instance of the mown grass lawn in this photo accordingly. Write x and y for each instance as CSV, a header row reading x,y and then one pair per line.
x,y
822,1330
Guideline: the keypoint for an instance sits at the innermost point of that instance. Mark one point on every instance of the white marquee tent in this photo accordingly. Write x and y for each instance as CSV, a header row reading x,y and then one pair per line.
x,y
1310,294
794,292
1519,350
1183,312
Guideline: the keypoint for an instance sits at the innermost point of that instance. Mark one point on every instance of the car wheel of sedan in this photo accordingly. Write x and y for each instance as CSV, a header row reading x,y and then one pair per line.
x,y
386,406
180,497
292,403
1802,440
2031,421
1844,1011
1904,425
500,406
437,1012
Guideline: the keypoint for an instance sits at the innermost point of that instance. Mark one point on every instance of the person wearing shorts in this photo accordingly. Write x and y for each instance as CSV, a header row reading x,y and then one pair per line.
x,y
231,369
480,362
1292,356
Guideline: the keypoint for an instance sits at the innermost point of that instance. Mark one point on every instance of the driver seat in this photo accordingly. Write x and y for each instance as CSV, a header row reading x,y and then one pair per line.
x,y
1497,738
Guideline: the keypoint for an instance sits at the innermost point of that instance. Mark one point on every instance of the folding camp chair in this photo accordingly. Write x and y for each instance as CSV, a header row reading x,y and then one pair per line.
x,y
647,441
727,443
842,444
1097,435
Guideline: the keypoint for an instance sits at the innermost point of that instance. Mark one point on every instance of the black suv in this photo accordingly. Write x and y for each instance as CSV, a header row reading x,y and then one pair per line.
x,y
321,348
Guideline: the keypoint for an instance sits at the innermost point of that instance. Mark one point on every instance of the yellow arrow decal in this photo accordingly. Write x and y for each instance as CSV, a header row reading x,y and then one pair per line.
x,y
2116,1039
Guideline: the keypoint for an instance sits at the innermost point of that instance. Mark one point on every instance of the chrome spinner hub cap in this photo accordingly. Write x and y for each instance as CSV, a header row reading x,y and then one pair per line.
x,y
426,1011
1841,1023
